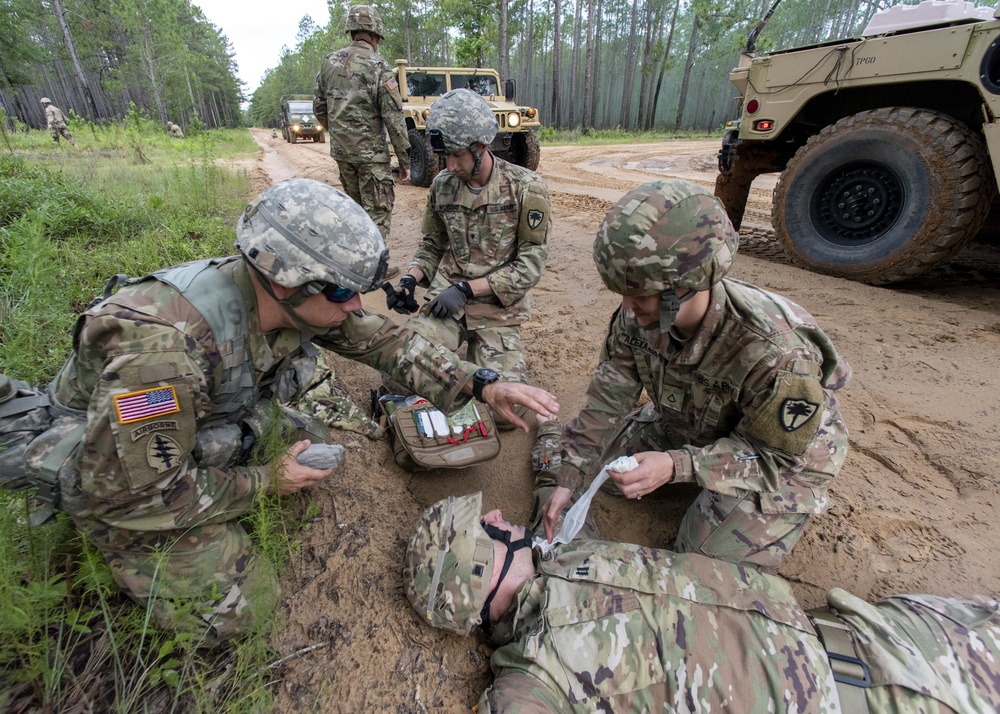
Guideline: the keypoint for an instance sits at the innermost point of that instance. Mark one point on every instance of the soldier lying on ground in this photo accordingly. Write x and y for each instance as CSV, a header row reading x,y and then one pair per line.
x,y
485,242
179,374
740,380
600,626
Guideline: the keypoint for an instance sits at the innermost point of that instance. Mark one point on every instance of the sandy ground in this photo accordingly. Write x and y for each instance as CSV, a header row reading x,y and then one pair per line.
x,y
915,505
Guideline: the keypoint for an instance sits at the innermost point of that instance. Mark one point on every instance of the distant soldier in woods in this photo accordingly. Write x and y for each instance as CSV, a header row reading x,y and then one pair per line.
x,y
174,130
56,122
357,100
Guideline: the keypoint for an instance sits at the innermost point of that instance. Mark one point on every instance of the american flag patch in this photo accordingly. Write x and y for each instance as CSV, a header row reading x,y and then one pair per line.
x,y
392,83
136,406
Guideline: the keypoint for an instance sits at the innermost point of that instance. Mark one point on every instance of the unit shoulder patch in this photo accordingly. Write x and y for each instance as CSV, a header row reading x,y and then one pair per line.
x,y
790,416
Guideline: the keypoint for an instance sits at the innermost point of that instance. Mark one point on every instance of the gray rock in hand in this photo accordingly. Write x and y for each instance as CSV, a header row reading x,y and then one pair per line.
x,y
322,456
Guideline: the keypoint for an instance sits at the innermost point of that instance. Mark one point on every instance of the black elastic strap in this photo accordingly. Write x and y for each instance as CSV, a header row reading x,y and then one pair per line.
x,y
512,547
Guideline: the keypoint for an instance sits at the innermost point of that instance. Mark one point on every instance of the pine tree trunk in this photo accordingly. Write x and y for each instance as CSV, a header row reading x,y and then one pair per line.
x,y
575,65
625,118
687,74
663,63
557,39
504,56
594,121
587,121
81,78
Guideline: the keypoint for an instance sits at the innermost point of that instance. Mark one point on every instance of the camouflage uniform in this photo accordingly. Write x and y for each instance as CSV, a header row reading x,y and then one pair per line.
x,y
745,407
57,124
616,627
357,100
500,233
174,130
159,492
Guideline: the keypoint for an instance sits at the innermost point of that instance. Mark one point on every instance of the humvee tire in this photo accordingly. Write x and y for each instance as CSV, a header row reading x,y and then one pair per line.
x,y
424,163
525,150
883,195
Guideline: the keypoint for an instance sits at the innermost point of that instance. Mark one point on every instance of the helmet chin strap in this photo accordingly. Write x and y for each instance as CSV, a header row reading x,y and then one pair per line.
x,y
670,305
479,160
513,546
287,304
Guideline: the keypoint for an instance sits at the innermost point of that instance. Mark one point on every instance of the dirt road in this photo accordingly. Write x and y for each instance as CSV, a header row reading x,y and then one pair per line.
x,y
915,505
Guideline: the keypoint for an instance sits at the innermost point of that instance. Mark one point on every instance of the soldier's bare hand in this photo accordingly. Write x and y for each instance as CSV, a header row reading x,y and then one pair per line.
x,y
289,476
404,175
553,508
655,469
503,397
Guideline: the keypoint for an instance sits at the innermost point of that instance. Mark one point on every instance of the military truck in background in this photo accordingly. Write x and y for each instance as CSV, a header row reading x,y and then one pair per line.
x,y
298,119
888,144
517,140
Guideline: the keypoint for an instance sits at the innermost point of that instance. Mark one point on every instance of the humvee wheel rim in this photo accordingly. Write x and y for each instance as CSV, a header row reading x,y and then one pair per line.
x,y
857,203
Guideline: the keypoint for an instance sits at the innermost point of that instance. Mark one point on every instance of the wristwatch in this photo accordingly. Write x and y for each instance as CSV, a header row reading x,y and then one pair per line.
x,y
481,378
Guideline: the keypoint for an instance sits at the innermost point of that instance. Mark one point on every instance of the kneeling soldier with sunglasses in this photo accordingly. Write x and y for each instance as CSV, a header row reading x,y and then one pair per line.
x,y
177,378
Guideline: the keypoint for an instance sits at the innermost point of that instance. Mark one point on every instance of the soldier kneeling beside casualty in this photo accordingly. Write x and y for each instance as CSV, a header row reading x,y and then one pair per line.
x,y
174,378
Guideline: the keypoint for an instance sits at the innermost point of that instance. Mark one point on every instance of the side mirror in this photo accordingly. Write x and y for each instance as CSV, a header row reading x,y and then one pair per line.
x,y
509,90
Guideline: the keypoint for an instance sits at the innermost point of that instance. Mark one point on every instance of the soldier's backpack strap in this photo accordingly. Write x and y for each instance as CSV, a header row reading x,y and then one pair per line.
x,y
849,672
217,297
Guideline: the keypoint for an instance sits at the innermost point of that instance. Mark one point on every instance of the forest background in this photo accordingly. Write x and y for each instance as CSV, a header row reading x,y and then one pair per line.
x,y
585,64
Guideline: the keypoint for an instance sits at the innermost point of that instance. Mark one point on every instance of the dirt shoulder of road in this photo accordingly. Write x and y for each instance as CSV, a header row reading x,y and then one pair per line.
x,y
915,505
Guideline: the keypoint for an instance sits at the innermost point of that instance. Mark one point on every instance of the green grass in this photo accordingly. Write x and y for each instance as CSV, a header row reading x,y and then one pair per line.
x,y
128,199
555,137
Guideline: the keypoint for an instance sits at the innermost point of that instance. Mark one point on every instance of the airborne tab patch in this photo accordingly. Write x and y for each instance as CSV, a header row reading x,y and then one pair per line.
x,y
136,406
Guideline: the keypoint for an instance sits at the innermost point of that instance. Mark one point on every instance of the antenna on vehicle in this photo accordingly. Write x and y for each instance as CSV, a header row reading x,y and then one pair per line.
x,y
752,36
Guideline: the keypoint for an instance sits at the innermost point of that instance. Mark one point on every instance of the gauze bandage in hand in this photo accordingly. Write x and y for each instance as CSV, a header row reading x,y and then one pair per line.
x,y
575,517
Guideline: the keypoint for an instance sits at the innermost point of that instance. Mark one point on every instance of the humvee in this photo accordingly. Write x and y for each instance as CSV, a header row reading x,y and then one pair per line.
x,y
517,140
887,143
298,119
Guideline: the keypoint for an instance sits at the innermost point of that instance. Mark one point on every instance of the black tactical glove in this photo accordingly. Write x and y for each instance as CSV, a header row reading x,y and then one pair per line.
x,y
401,298
450,300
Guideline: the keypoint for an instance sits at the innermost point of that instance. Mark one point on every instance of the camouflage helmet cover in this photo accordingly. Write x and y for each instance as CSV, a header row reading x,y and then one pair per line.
x,y
46,100
664,235
463,118
364,18
300,231
449,564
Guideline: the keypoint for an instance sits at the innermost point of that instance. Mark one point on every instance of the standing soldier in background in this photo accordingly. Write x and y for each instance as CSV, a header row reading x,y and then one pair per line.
x,y
357,100
174,130
55,122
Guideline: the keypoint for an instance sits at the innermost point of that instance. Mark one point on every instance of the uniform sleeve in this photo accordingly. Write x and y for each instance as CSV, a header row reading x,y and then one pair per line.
x,y
434,242
433,372
319,100
148,402
791,433
512,282
391,107
521,693
614,389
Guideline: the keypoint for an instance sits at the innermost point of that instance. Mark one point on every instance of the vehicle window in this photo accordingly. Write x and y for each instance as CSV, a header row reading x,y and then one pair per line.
x,y
425,85
300,107
483,84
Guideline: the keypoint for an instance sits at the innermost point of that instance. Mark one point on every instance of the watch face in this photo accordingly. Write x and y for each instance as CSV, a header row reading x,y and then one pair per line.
x,y
487,375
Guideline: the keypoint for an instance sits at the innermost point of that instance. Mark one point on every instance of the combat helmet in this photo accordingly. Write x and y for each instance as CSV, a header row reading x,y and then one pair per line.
x,y
46,100
459,119
665,235
449,564
364,18
304,234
